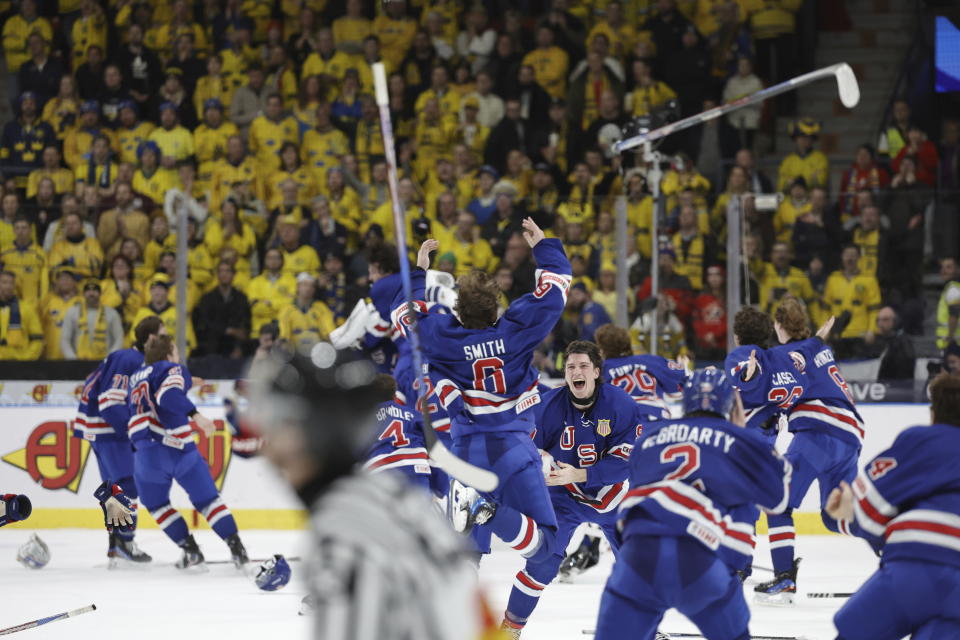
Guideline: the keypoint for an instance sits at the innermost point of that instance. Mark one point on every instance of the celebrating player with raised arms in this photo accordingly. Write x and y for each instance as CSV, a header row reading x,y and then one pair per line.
x,y
587,428
161,430
648,378
680,544
827,436
102,419
907,502
481,367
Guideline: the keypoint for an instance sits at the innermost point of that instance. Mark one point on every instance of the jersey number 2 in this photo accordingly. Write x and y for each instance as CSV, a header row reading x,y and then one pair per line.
x,y
688,454
395,430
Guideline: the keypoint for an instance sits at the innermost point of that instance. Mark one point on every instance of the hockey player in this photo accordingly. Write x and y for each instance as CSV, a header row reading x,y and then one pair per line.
x,y
481,368
680,545
161,430
586,429
648,378
906,501
102,419
14,508
384,565
827,437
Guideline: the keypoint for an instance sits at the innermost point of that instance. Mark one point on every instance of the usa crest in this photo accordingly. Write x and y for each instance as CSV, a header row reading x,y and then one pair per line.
x,y
603,428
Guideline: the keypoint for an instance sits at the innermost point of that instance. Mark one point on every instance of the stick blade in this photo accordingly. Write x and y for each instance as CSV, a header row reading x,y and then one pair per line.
x,y
847,86
468,474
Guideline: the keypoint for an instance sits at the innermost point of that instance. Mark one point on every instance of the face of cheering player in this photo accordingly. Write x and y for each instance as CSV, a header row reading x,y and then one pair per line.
x,y
581,375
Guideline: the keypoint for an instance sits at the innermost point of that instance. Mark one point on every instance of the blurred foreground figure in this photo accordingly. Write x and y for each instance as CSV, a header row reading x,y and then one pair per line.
x,y
383,559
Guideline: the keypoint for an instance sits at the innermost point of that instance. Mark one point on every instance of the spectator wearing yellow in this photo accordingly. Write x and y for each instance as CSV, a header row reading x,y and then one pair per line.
x,y
434,136
852,294
297,257
470,250
160,305
199,261
210,141
270,291
305,321
167,268
28,262
737,186
621,34
894,137
778,279
350,30
290,170
213,86
867,236
17,30
269,131
576,244
119,289
383,215
793,206
134,253
89,30
24,139
81,253
53,309
9,210
648,93
236,169
62,111
447,99
706,13
125,220
343,201
682,175
444,180
694,249
805,161
152,180
550,63
368,140
395,29
91,330
175,141
589,91
323,146
162,37
21,333
99,171
132,131
326,60
161,240
313,91
62,178
470,132
230,231
639,212
78,142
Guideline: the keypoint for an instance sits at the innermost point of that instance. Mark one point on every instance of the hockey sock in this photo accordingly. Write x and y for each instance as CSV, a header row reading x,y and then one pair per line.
x,y
782,539
524,596
171,522
521,532
220,518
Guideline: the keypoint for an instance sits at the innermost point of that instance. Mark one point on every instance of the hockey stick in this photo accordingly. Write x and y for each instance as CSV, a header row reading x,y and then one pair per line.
x,y
592,632
846,84
471,475
829,595
37,623
288,559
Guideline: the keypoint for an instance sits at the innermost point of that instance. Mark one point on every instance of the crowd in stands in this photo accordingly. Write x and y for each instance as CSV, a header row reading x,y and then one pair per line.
x,y
257,118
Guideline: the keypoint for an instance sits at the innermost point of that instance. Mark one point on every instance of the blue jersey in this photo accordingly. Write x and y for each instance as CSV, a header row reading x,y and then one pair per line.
x,y
648,379
776,386
399,440
907,499
826,404
599,440
103,410
692,476
484,377
159,407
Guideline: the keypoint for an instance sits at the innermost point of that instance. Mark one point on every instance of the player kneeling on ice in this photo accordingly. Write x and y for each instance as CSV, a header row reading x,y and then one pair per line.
x,y
161,430
680,545
587,428
906,501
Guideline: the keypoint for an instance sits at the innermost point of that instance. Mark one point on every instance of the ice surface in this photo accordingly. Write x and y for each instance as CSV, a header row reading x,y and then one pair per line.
x,y
163,603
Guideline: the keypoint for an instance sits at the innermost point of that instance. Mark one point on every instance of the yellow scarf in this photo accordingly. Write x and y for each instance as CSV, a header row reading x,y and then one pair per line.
x,y
92,347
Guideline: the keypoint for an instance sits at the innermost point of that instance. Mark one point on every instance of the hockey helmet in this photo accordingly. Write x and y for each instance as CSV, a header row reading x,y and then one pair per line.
x,y
34,553
709,390
804,127
273,573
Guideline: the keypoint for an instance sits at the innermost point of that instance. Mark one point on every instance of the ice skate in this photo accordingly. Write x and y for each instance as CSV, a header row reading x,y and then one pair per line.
x,y
192,558
125,553
238,552
510,630
587,555
779,591
662,636
467,508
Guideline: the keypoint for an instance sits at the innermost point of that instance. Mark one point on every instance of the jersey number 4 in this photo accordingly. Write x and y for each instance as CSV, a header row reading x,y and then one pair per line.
x,y
394,430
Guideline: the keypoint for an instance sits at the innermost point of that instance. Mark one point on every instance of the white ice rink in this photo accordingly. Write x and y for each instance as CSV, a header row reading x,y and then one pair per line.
x,y
161,603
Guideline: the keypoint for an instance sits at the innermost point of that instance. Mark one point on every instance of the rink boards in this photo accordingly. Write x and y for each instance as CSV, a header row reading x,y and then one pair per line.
x,y
59,472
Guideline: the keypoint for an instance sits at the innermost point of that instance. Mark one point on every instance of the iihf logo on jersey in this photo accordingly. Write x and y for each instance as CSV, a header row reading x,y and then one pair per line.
x,y
603,428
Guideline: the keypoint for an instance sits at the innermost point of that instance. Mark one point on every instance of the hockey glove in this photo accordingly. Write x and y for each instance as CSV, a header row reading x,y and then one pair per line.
x,y
14,508
116,506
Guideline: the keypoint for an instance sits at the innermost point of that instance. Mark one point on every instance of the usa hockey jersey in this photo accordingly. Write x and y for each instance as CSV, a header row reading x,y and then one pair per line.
x,y
776,386
484,377
907,499
692,476
648,379
399,440
826,403
159,407
599,440
103,410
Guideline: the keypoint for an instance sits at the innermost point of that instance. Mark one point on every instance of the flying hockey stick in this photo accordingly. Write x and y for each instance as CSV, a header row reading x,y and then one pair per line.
x,y
846,85
287,558
41,621
829,595
592,632
471,475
